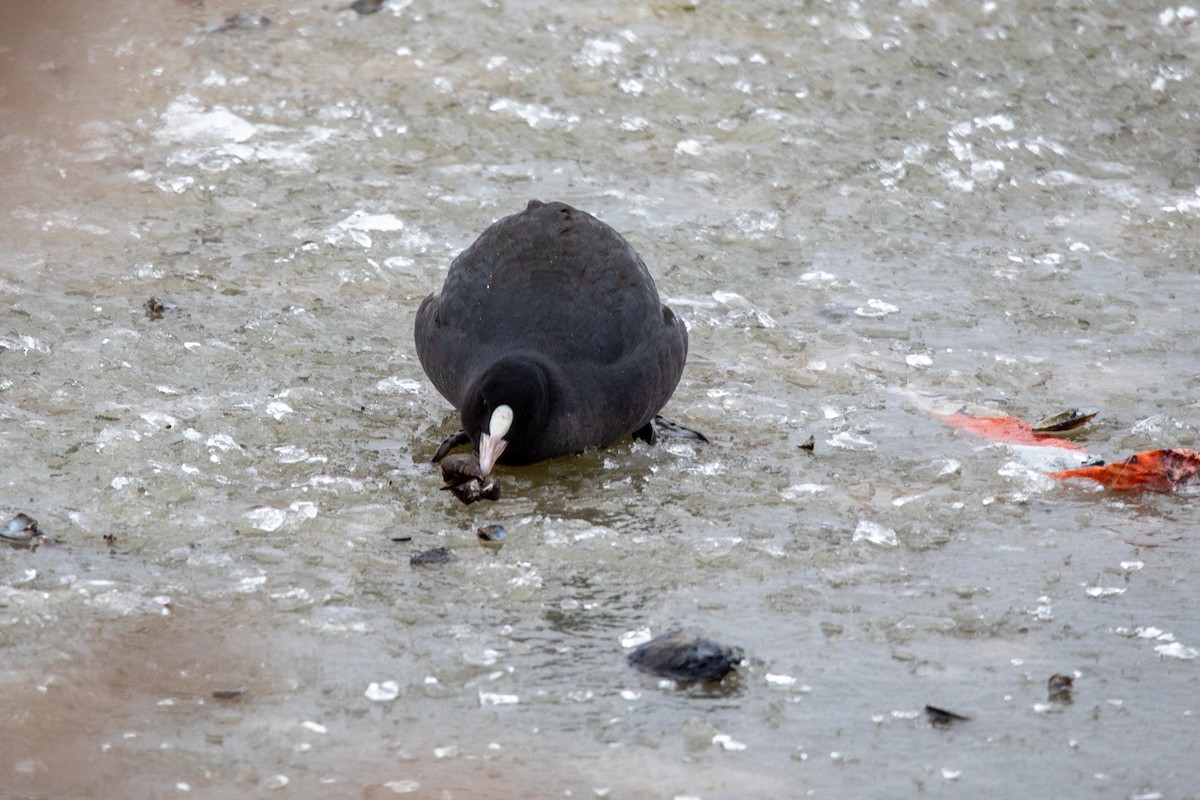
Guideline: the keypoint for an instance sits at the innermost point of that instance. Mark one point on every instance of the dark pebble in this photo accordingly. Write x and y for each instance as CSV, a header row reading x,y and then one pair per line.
x,y
434,555
367,6
228,694
155,308
685,657
243,22
492,536
22,529
940,716
1059,688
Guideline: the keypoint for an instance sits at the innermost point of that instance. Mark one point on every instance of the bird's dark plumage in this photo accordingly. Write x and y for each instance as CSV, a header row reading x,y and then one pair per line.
x,y
553,314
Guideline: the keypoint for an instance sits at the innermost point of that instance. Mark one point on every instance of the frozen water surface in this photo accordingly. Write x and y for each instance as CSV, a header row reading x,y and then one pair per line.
x,y
994,203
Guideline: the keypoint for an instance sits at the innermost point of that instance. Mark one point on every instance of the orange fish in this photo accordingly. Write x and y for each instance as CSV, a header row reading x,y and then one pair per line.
x,y
1147,471
1009,430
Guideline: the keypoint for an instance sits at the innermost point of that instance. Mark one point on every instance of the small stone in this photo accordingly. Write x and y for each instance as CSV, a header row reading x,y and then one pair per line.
x,y
941,717
685,658
432,556
492,536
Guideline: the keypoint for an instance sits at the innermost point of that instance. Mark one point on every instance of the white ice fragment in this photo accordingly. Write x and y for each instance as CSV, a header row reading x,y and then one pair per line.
x,y
727,742
729,298
278,409
756,224
1103,591
876,308
496,699
187,120
631,86
315,727
817,276
780,680
596,52
1177,650
689,147
251,584
1044,610
1036,461
919,360
1183,15
951,774
303,509
848,441
291,454
483,658
797,489
634,638
276,782
402,787
533,113
875,533
996,121
362,221
1153,633
120,482
817,365
630,694
160,420
446,752
988,169
382,692
397,385
858,31
222,441
266,518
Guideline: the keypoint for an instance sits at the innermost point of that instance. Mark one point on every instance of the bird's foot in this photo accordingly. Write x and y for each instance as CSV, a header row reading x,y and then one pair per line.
x,y
650,432
452,441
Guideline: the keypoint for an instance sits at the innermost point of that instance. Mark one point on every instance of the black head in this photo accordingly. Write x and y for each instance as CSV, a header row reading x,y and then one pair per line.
x,y
520,384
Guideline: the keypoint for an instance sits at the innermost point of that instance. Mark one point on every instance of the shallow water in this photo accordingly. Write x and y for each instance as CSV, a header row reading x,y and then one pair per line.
x,y
854,206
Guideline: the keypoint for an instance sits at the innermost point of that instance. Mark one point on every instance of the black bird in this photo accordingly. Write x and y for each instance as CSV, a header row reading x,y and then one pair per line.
x,y
549,338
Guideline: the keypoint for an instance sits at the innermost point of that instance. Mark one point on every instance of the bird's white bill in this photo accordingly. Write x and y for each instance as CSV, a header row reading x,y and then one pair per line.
x,y
492,444
490,448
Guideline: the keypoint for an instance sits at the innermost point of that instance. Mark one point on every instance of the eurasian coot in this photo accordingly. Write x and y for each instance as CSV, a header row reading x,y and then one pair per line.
x,y
549,338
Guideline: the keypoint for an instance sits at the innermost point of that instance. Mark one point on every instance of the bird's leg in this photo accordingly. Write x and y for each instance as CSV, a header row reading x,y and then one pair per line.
x,y
646,433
